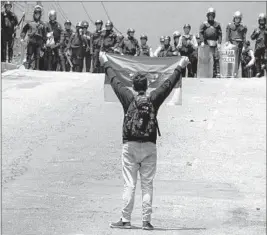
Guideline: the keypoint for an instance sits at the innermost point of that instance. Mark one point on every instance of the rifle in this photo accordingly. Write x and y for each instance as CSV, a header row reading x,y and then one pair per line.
x,y
22,19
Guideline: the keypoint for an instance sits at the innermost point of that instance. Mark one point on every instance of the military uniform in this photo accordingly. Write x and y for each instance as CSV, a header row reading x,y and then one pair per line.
x,y
236,34
109,41
145,50
95,49
64,41
260,52
53,53
86,51
210,32
8,23
245,59
187,47
37,36
130,46
76,43
166,51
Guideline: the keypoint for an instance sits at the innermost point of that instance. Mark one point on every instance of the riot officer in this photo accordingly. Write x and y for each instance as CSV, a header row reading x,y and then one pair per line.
x,y
9,22
75,48
109,39
53,50
161,41
236,33
145,50
176,36
64,41
259,34
95,46
86,47
130,45
187,46
210,33
247,61
36,38
167,49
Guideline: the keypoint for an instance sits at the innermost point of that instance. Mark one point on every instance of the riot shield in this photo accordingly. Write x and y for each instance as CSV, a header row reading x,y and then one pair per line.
x,y
205,62
229,61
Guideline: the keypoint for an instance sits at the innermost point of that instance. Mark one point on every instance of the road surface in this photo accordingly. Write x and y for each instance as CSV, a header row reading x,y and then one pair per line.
x,y
61,158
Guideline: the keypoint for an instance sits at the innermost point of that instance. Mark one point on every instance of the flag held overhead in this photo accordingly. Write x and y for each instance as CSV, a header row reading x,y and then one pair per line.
x,y
157,71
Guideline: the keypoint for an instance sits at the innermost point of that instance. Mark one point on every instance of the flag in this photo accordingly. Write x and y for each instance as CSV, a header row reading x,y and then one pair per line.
x,y
158,69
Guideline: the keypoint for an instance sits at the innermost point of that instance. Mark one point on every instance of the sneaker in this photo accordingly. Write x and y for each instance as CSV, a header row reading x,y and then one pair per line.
x,y
147,225
120,224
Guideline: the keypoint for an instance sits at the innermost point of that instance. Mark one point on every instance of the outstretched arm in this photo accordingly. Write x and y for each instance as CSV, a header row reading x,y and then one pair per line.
x,y
124,94
162,92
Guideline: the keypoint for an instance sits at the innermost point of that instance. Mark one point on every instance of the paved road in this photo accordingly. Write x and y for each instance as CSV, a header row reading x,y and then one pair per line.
x,y
61,158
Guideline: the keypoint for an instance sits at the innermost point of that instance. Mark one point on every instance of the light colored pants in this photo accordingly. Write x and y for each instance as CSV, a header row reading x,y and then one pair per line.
x,y
143,157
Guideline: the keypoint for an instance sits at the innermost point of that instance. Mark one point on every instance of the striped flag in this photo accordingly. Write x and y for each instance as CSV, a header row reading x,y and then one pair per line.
x,y
157,69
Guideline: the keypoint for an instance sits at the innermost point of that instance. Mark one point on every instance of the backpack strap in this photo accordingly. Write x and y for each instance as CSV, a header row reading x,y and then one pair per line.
x,y
157,125
156,120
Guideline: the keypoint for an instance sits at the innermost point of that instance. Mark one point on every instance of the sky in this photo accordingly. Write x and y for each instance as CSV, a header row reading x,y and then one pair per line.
x,y
156,18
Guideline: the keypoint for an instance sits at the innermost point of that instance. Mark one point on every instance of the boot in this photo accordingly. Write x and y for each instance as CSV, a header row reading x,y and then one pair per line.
x,y
10,56
37,64
62,65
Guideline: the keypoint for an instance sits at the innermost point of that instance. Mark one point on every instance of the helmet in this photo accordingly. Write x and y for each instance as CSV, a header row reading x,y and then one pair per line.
x,y
238,14
176,34
79,25
187,26
197,36
37,8
8,3
130,30
67,22
85,24
99,22
247,43
262,16
211,11
167,38
162,38
120,37
109,23
52,13
143,36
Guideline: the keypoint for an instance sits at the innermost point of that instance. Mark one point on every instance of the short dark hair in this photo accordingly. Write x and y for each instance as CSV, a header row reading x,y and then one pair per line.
x,y
140,82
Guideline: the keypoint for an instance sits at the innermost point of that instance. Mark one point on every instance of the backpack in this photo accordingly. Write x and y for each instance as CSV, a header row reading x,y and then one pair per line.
x,y
140,120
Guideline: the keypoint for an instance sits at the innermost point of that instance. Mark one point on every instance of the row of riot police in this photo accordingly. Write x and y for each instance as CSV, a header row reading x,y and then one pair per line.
x,y
210,34
52,47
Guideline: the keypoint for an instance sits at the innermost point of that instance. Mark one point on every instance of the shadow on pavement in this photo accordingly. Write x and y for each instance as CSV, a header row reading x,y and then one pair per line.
x,y
169,229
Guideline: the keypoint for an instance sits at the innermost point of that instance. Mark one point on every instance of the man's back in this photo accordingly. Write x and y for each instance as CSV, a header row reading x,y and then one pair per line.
x,y
157,96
